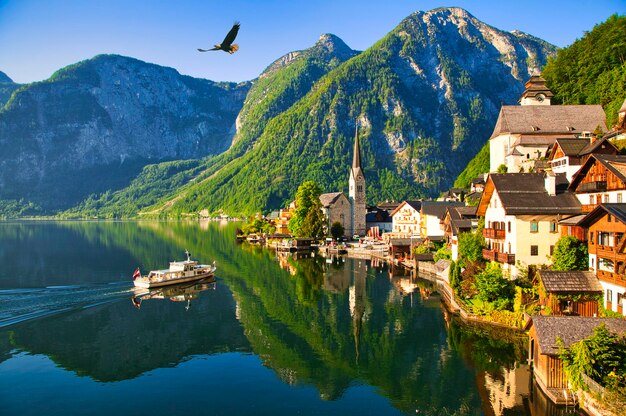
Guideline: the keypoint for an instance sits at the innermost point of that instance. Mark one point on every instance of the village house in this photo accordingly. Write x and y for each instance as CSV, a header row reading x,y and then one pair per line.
x,y
568,155
606,226
406,218
571,292
544,350
432,214
456,221
601,179
524,133
522,211
378,222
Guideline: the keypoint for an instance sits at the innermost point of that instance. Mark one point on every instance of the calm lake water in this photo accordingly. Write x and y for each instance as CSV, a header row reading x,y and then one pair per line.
x,y
271,335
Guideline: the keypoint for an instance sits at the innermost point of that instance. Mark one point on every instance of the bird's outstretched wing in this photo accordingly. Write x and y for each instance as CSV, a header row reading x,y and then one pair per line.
x,y
231,35
206,50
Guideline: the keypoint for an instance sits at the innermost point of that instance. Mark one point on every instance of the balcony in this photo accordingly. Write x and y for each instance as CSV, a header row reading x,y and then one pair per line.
x,y
494,234
493,255
596,186
588,208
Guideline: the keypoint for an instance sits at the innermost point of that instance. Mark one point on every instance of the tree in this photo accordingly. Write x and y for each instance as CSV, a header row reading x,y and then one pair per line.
x,y
471,246
336,230
492,286
502,168
314,224
307,195
570,254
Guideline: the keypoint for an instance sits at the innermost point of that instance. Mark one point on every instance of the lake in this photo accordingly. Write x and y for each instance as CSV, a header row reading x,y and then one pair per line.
x,y
269,335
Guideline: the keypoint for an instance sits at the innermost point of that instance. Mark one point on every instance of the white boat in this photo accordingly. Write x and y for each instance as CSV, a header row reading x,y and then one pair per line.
x,y
179,272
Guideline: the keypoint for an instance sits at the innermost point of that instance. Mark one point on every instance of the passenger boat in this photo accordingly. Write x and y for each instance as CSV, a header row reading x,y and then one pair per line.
x,y
179,272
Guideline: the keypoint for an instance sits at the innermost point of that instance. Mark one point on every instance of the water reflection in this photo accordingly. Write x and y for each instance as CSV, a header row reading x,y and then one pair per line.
x,y
185,292
334,325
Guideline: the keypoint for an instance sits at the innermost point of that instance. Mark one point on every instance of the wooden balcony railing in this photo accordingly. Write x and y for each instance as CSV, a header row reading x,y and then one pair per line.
x,y
494,234
588,208
596,186
493,255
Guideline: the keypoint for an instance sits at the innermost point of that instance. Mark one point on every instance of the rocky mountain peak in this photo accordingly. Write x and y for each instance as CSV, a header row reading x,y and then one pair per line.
x,y
5,78
334,46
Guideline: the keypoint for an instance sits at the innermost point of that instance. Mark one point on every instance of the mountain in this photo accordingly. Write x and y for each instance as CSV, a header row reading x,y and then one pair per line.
x,y
590,71
92,127
7,86
425,97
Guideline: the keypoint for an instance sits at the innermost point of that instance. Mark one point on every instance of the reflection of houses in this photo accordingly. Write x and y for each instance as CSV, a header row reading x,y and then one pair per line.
x,y
602,178
569,292
456,221
521,213
507,389
543,348
568,155
524,133
607,251
337,208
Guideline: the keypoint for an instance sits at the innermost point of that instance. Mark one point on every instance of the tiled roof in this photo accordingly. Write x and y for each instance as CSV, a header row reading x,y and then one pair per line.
x,y
525,193
570,329
549,119
438,208
570,281
416,205
614,163
329,198
571,146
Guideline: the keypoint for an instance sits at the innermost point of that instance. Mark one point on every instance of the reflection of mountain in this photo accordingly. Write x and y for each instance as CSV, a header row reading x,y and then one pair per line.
x,y
331,325
118,342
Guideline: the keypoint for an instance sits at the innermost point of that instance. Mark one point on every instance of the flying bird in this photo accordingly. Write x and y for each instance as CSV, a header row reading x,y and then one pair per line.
x,y
227,44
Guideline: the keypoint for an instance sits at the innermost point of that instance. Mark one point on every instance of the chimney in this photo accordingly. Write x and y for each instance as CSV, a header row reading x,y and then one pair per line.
x,y
550,183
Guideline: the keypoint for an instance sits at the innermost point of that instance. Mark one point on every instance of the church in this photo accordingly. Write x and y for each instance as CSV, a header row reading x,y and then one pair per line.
x,y
349,211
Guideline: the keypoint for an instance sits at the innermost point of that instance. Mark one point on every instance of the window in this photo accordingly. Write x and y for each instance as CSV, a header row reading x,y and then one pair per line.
x,y
553,226
509,227
606,265
534,250
619,198
620,296
551,250
609,295
591,237
605,239
606,197
534,226
608,218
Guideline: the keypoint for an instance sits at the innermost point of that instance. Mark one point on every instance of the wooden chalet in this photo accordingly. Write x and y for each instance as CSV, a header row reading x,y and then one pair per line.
x,y
574,293
569,154
606,226
601,179
543,332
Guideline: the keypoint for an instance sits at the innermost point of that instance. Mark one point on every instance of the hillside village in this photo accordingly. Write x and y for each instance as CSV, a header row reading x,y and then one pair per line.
x,y
555,172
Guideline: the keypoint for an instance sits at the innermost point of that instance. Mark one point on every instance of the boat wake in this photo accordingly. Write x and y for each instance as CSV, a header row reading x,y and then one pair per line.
x,y
19,305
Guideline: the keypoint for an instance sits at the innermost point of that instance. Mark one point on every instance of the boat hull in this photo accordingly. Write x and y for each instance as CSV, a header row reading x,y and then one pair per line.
x,y
145,283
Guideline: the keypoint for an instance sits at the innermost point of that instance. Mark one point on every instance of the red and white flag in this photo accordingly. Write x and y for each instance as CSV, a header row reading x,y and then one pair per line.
x,y
137,273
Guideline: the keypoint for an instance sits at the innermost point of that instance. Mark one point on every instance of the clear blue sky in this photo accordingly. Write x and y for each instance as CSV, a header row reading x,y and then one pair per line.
x,y
38,37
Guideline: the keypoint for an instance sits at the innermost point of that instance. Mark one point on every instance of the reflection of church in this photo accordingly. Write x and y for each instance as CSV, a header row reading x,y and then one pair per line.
x,y
348,211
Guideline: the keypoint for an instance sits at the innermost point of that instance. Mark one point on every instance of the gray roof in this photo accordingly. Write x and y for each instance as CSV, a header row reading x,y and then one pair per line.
x,y
525,193
570,281
570,329
438,208
572,146
329,198
549,119
416,205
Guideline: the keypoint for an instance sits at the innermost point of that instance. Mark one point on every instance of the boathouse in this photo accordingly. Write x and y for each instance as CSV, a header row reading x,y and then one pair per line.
x,y
569,292
543,332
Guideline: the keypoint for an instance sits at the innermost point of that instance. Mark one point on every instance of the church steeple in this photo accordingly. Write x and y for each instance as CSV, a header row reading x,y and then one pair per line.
x,y
357,189
356,157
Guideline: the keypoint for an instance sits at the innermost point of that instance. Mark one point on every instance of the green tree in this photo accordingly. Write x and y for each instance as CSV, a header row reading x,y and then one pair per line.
x,y
443,253
492,286
307,195
570,254
471,245
314,224
336,230
502,168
